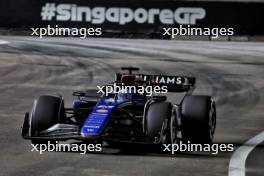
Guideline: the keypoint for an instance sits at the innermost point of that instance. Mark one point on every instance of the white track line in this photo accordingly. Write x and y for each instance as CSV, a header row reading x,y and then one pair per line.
x,y
2,42
237,165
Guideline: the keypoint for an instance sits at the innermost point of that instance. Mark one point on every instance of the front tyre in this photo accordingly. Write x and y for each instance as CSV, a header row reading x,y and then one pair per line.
x,y
157,115
46,112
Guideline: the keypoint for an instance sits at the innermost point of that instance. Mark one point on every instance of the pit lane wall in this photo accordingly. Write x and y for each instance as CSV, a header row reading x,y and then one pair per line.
x,y
146,17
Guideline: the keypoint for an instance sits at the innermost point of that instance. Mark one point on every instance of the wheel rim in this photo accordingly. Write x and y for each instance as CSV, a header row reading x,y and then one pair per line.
x,y
173,129
212,121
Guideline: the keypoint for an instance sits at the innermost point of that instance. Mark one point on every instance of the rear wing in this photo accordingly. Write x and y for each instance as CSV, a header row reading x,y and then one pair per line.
x,y
173,83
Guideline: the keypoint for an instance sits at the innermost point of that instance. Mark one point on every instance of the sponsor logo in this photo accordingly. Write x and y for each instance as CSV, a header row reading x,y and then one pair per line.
x,y
164,79
121,15
105,107
189,15
101,110
168,80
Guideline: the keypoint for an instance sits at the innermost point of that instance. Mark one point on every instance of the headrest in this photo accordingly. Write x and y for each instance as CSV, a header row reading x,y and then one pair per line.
x,y
128,79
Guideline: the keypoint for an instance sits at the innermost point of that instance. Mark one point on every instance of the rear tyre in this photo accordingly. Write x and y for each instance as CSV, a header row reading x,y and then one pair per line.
x,y
47,111
156,115
198,119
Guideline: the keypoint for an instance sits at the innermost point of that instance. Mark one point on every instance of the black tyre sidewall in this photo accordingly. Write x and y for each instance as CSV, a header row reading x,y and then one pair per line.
x,y
195,119
157,112
45,113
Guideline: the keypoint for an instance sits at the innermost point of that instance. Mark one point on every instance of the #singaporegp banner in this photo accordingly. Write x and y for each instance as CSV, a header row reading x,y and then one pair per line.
x,y
135,16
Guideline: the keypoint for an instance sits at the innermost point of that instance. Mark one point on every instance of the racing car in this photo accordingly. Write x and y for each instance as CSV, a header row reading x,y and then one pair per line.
x,y
125,117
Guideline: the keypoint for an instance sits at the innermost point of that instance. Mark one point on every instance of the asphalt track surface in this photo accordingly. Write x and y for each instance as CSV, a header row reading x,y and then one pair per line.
x,y
232,72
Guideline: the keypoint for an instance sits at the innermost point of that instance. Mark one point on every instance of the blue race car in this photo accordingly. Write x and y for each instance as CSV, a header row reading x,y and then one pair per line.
x,y
129,117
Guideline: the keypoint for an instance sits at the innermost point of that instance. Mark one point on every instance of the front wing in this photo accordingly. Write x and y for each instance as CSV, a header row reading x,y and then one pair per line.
x,y
61,132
